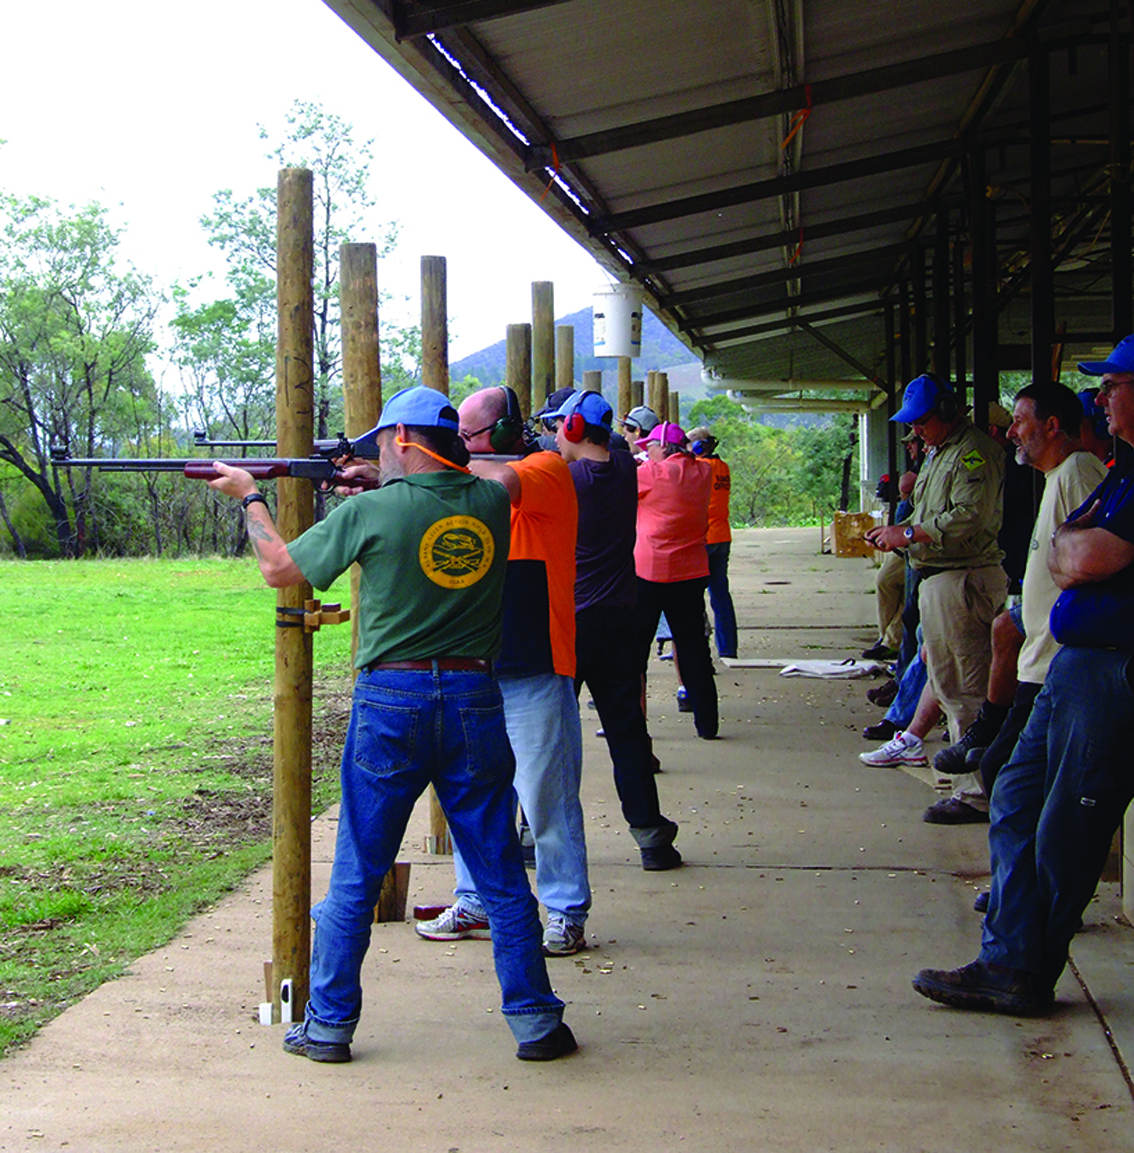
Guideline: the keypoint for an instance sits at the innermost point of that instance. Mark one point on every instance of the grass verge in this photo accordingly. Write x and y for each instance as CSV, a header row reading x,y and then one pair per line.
x,y
135,761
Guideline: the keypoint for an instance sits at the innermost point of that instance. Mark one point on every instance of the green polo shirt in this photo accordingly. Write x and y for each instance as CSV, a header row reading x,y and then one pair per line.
x,y
432,549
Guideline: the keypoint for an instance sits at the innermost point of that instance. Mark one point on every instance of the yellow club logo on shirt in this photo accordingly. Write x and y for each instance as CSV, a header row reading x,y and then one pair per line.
x,y
456,552
972,459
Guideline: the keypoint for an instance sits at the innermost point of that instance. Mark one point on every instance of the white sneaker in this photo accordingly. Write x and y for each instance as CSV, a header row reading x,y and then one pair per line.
x,y
562,937
903,749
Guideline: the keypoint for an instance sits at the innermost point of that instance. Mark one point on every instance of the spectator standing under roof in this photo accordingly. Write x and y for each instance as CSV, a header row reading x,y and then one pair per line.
x,y
1061,796
950,538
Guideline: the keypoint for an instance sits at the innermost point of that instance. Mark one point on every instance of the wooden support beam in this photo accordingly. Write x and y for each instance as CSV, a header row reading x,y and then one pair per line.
x,y
295,423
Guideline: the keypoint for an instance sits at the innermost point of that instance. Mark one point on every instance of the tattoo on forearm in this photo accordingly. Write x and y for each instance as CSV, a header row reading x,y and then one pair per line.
x,y
258,532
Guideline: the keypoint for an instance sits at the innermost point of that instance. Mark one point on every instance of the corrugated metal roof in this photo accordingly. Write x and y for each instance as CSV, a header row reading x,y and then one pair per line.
x,y
662,122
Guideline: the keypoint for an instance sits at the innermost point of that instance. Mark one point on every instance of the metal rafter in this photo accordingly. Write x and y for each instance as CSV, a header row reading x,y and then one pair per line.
x,y
420,18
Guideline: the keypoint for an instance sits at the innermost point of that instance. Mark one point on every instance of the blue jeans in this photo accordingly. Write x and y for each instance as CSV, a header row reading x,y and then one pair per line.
x,y
720,599
409,729
910,686
1055,807
541,713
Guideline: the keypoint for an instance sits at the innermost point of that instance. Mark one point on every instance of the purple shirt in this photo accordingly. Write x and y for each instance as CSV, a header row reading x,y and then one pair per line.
x,y
608,511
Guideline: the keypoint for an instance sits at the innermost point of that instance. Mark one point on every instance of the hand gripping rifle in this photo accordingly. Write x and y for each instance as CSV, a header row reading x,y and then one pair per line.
x,y
319,468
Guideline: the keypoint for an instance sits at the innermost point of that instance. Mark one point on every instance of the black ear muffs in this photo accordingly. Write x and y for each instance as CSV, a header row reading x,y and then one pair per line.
x,y
574,427
510,427
946,407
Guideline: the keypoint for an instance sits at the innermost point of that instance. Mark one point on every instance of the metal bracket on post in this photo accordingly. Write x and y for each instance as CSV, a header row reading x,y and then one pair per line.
x,y
311,617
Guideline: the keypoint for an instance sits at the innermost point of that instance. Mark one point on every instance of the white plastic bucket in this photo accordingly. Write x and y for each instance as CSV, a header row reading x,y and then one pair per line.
x,y
617,314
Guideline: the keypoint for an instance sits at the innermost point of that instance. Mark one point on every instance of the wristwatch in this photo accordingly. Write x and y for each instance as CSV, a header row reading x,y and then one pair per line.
x,y
253,498
909,532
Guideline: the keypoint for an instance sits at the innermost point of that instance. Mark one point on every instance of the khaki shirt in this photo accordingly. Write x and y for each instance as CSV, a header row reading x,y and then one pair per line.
x,y
959,501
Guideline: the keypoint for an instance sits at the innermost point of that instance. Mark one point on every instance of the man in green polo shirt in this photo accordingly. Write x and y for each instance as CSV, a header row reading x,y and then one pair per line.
x,y
432,544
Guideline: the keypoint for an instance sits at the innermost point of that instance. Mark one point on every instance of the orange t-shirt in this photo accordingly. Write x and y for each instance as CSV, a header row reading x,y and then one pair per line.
x,y
545,525
719,528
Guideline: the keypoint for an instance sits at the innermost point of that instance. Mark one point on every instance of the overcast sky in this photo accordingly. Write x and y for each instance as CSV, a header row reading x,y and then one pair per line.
x,y
150,108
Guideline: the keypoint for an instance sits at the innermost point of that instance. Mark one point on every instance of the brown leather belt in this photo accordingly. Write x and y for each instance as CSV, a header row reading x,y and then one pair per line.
x,y
444,664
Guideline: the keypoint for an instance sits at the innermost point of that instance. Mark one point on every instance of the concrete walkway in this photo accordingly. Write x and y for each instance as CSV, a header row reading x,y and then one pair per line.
x,y
758,999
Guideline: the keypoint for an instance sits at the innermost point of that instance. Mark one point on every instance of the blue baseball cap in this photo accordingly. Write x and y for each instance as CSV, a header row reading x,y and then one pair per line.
x,y
1088,398
1120,360
920,397
420,406
590,406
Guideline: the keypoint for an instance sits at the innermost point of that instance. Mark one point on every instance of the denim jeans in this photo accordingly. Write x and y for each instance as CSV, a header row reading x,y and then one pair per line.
x,y
409,729
720,599
1055,807
542,718
612,674
683,603
910,686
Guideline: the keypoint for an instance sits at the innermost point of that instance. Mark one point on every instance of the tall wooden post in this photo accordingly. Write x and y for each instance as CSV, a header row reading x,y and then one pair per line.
x,y
652,395
543,340
637,394
518,365
295,422
362,372
434,324
675,407
662,382
625,402
564,356
592,381
435,375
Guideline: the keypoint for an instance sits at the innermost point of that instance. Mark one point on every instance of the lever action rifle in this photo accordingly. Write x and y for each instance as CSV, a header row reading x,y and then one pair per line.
x,y
320,467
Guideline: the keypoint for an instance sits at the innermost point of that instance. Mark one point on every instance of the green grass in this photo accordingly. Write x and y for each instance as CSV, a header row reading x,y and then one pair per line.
x,y
135,761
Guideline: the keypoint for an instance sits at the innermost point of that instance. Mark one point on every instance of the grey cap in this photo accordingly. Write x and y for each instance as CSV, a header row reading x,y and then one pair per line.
x,y
641,417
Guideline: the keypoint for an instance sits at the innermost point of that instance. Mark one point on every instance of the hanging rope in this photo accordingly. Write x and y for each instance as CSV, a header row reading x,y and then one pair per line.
x,y
799,119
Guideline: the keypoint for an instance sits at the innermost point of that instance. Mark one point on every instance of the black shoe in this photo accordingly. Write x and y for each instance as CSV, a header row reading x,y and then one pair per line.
x,y
950,811
981,902
978,735
883,695
659,859
880,652
982,986
882,731
558,1043
299,1044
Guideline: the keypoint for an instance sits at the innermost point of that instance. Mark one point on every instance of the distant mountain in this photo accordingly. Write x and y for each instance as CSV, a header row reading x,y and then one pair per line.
x,y
660,350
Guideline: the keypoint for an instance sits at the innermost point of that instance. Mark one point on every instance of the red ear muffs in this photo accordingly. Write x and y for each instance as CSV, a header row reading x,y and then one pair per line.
x,y
574,427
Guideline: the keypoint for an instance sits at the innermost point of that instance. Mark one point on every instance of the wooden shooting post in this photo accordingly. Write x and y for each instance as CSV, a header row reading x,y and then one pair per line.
x,y
362,372
518,365
675,407
637,394
625,400
565,356
592,380
435,375
295,413
652,393
543,341
434,324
